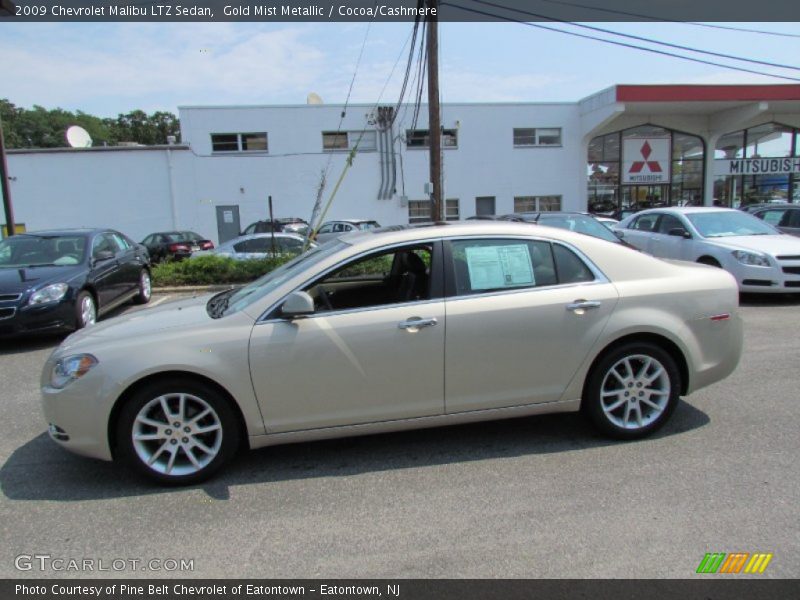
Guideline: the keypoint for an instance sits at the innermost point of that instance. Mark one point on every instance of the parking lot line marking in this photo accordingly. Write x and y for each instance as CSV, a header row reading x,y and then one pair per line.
x,y
164,299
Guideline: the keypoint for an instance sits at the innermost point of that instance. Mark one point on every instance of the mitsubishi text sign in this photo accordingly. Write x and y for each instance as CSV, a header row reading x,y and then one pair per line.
x,y
646,160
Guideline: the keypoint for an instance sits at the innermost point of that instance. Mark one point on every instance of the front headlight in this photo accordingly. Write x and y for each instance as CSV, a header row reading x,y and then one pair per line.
x,y
751,258
70,368
51,293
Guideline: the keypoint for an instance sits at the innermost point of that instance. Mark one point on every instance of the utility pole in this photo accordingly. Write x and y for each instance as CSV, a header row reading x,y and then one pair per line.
x,y
434,118
10,225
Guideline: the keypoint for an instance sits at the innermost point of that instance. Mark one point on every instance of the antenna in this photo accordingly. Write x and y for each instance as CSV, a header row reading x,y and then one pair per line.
x,y
313,98
78,137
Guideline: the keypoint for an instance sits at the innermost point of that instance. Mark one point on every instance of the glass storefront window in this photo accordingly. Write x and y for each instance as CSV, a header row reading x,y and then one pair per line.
x,y
769,140
607,194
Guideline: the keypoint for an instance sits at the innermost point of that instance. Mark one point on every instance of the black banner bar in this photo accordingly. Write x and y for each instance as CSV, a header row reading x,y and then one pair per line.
x,y
710,587
395,10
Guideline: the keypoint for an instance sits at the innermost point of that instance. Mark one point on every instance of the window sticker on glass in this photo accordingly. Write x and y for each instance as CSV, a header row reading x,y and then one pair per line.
x,y
493,267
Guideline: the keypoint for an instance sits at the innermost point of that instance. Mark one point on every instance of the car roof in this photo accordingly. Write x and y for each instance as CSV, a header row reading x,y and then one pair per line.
x,y
411,233
58,232
688,209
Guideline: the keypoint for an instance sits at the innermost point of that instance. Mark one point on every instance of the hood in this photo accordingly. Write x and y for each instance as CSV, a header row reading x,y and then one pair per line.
x,y
170,315
775,245
16,281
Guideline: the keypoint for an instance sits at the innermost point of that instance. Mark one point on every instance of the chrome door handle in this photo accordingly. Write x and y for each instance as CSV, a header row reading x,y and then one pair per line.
x,y
416,323
583,305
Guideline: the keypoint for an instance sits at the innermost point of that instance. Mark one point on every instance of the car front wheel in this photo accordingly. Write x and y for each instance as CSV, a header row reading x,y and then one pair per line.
x,y
145,288
177,432
85,310
632,390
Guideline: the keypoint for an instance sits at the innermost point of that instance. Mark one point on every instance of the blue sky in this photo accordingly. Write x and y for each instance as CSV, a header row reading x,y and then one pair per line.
x,y
111,68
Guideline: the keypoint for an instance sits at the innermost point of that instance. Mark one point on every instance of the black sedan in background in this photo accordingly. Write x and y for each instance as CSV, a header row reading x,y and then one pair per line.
x,y
175,245
62,280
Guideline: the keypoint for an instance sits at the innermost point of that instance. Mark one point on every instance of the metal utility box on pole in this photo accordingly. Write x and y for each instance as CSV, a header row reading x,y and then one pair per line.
x,y
6,191
434,118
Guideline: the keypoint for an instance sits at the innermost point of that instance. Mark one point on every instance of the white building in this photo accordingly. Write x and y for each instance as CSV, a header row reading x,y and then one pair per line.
x,y
627,146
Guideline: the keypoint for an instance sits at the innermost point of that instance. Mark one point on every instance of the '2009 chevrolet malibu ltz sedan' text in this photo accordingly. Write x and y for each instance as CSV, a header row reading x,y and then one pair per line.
x,y
396,329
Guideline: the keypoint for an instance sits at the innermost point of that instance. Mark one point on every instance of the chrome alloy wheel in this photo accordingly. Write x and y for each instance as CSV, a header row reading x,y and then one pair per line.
x,y
177,434
635,391
88,311
145,286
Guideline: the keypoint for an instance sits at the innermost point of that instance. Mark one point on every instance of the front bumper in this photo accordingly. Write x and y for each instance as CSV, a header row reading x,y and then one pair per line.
x,y
78,415
781,279
43,318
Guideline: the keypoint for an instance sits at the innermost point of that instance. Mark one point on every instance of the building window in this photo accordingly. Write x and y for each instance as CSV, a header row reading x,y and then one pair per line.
x,y
536,203
757,180
346,140
421,138
451,212
543,136
673,162
239,142
419,211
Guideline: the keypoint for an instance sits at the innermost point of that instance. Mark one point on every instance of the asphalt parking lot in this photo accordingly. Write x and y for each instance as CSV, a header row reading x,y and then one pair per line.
x,y
537,497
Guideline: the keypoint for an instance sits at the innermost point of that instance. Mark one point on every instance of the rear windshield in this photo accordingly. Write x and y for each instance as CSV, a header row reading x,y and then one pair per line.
x,y
364,225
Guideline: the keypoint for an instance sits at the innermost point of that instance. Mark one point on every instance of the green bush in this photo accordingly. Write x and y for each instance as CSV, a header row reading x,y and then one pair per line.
x,y
213,270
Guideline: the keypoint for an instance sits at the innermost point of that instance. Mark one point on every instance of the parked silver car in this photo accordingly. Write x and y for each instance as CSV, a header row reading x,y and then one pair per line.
x,y
332,229
760,257
259,245
406,328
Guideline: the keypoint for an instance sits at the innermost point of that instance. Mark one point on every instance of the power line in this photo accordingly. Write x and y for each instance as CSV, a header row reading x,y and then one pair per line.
x,y
618,43
641,38
654,18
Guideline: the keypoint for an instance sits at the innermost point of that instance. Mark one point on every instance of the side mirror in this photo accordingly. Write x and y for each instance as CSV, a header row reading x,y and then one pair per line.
x,y
619,233
680,232
298,304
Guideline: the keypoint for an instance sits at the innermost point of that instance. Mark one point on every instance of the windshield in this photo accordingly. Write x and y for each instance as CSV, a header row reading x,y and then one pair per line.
x,y
579,224
724,223
27,250
235,300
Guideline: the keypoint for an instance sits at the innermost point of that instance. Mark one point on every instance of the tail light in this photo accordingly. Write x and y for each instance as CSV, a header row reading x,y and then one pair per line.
x,y
206,245
179,248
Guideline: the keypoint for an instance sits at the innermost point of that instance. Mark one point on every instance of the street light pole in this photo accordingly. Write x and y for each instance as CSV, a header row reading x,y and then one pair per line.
x,y
434,118
9,210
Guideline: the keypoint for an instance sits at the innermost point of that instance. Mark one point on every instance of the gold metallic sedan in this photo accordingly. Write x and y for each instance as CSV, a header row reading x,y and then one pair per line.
x,y
395,329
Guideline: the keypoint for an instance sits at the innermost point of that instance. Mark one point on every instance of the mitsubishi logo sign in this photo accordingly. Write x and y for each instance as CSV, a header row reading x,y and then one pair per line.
x,y
646,160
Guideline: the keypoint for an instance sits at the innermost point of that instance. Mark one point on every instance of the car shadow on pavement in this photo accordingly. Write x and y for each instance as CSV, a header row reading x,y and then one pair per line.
x,y
29,344
40,470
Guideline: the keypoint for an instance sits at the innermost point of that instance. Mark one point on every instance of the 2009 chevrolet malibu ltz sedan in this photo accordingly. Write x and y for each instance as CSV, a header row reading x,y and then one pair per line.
x,y
396,329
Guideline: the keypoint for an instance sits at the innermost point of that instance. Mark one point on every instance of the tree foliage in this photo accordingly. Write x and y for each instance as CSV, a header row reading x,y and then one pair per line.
x,y
39,127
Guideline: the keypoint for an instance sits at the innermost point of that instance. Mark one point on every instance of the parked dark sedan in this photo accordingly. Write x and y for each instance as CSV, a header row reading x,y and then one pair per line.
x,y
62,280
175,245
786,217
287,225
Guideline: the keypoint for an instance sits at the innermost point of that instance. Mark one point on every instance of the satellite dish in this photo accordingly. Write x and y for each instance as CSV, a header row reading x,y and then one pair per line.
x,y
78,137
313,98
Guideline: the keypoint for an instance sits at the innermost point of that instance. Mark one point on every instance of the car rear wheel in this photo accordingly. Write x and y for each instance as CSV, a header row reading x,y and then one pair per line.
x,y
177,432
85,310
632,390
145,288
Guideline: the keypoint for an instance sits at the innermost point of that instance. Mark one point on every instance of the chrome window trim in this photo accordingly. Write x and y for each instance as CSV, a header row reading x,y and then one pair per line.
x,y
347,311
263,319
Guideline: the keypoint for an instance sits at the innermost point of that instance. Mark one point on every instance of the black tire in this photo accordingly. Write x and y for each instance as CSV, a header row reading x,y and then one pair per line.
x,y
145,288
160,441
634,397
82,317
711,262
